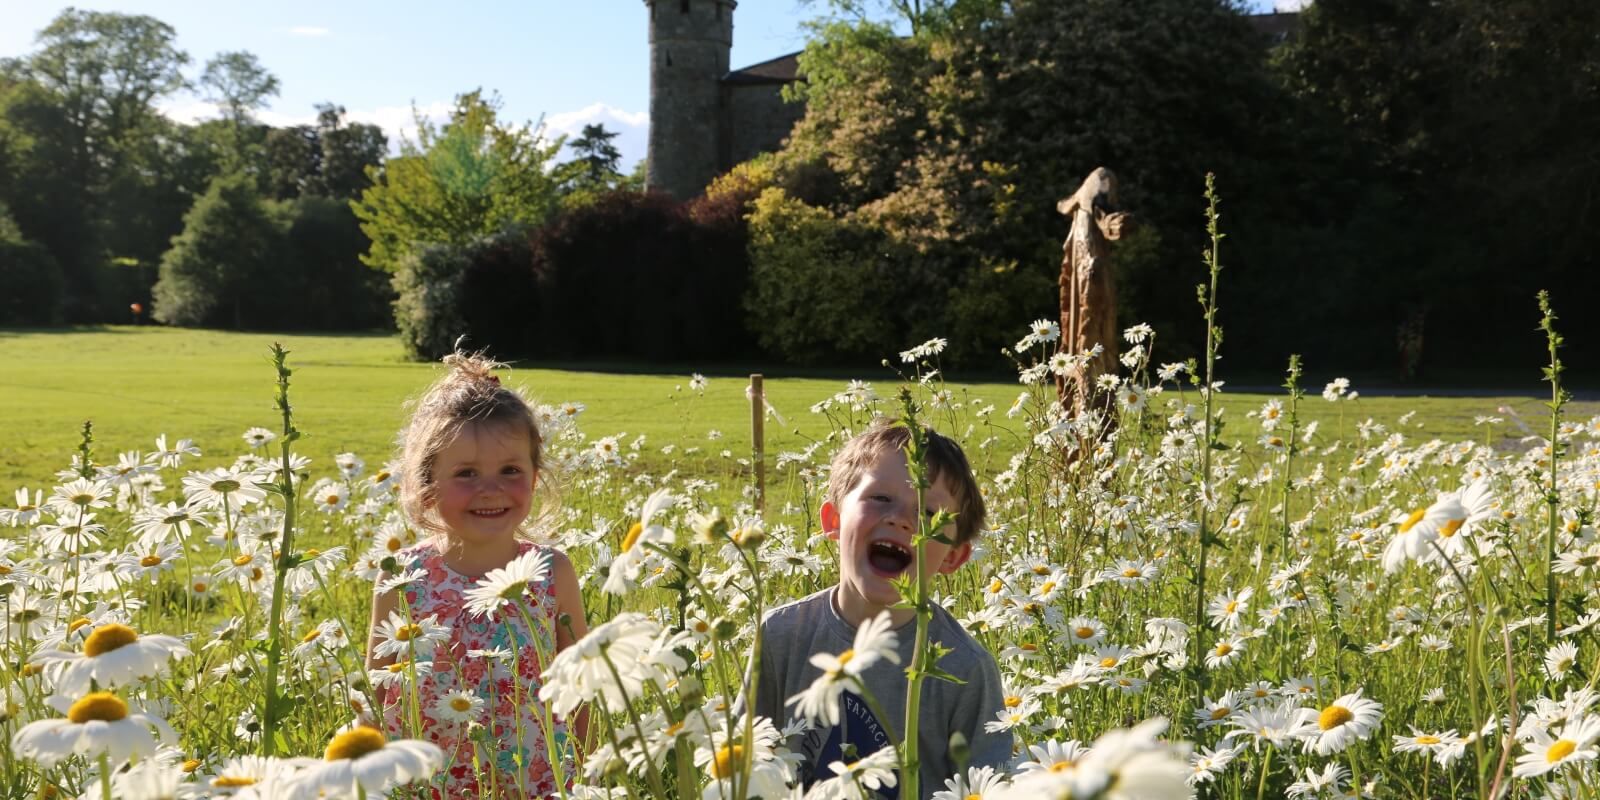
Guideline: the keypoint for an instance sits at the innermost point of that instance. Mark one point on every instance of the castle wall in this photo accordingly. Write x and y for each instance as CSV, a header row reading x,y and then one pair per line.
x,y
759,120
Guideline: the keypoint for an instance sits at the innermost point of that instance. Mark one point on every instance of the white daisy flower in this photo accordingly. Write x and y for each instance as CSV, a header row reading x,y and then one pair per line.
x,y
113,655
96,723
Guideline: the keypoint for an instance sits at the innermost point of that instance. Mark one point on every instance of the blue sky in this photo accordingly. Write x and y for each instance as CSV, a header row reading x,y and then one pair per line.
x,y
572,61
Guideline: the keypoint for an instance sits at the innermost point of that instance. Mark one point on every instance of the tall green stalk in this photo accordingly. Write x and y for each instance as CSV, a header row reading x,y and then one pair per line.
x,y
923,656
285,560
1208,301
1552,497
1291,442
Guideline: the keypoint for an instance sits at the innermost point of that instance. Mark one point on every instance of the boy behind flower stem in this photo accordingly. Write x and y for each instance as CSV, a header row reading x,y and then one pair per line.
x,y
882,519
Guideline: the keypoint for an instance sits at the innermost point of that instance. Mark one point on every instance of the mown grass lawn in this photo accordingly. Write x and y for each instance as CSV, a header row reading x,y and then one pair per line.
x,y
348,392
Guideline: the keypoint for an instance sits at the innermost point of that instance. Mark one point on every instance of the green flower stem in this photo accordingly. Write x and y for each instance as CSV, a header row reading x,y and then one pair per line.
x,y
1208,300
656,784
1558,398
917,672
285,556
105,776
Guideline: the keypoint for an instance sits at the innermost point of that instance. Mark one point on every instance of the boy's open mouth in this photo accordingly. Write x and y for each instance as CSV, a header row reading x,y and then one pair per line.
x,y
888,558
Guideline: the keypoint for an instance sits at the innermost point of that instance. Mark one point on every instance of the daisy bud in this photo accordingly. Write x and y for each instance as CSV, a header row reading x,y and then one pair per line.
x,y
960,750
724,629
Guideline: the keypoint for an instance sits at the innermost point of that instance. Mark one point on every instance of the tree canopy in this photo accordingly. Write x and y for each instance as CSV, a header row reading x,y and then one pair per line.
x,y
471,177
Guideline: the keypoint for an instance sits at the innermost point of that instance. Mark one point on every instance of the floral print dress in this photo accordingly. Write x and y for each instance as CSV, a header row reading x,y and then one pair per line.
x,y
481,760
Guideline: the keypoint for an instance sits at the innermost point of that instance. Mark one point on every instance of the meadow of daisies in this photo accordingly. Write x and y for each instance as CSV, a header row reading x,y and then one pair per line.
x,y
1179,607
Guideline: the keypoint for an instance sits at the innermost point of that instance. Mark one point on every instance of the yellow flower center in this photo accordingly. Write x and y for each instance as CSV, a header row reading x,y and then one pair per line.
x,y
1561,749
1220,712
1029,646
674,728
30,670
353,744
633,537
1232,606
103,706
1356,536
1223,648
995,586
1334,716
844,658
1084,632
1062,766
393,545
311,636
150,561
331,499
1048,587
404,633
1275,442
461,705
1130,572
74,625
1449,528
200,587
313,553
1040,569
726,759
1426,739
1012,701
107,638
232,781
191,765
242,560
1411,521
1108,662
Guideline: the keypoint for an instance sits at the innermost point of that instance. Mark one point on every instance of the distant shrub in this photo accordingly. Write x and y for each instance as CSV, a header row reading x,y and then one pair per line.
x,y
217,272
821,287
639,275
427,285
31,284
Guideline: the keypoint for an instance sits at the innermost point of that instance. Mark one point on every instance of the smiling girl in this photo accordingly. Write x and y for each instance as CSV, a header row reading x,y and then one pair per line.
x,y
485,605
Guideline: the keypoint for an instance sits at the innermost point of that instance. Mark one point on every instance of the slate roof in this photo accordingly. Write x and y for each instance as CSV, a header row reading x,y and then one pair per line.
x,y
775,70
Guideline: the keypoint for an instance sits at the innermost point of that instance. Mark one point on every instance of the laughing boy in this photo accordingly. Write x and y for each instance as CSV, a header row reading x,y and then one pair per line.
x,y
871,511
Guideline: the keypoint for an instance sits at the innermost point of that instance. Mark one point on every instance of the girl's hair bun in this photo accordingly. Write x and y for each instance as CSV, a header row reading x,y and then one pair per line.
x,y
465,366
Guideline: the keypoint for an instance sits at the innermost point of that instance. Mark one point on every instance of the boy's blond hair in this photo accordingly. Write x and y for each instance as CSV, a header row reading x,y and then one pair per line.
x,y
945,461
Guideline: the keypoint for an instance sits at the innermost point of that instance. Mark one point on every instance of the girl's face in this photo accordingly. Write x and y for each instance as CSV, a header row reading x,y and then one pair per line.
x,y
483,483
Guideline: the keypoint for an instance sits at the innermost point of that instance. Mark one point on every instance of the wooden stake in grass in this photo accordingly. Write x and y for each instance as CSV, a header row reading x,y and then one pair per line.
x,y
758,435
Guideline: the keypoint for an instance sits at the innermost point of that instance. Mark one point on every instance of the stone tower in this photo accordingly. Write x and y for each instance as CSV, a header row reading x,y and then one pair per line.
x,y
689,45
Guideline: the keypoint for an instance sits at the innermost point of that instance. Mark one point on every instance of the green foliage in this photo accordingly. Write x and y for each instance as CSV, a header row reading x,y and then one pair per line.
x,y
218,269
328,159
80,116
31,284
427,285
818,288
473,177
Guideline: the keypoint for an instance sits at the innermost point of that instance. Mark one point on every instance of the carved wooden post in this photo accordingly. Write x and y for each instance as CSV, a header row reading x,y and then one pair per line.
x,y
1089,290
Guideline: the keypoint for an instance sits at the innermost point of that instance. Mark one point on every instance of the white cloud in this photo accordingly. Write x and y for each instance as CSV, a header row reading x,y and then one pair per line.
x,y
1283,6
309,30
632,127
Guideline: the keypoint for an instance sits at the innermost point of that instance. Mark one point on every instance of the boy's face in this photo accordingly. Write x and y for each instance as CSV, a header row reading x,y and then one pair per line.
x,y
873,525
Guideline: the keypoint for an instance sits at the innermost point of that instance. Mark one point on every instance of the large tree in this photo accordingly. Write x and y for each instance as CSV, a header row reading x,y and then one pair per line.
x,y
238,85
85,131
471,177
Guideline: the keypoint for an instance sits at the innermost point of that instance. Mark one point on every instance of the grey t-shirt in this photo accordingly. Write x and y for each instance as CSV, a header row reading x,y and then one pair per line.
x,y
792,633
